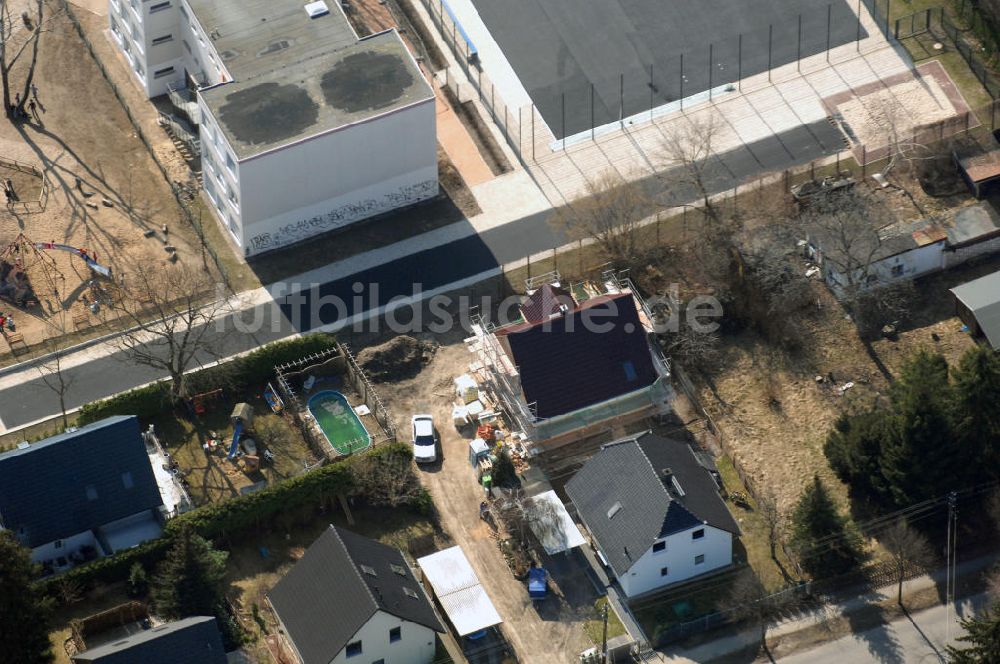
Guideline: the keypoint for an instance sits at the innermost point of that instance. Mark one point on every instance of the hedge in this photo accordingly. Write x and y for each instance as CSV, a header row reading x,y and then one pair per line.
x,y
239,374
232,518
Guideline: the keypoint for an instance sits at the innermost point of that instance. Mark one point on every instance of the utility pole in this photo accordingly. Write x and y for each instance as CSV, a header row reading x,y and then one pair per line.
x,y
951,564
604,637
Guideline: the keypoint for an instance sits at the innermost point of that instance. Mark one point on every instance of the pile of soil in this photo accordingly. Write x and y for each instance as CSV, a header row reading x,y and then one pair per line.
x,y
397,359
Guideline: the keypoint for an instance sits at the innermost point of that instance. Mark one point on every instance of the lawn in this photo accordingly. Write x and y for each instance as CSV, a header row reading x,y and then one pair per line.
x,y
754,545
211,478
595,626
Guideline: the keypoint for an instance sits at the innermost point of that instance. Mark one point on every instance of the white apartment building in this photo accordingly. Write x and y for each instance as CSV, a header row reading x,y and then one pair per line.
x,y
302,126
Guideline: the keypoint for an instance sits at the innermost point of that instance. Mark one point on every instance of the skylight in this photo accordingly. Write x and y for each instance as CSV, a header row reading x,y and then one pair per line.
x,y
615,509
398,569
410,593
370,571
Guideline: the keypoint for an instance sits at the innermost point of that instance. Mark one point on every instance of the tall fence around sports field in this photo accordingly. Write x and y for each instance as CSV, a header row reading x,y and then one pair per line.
x,y
654,89
936,22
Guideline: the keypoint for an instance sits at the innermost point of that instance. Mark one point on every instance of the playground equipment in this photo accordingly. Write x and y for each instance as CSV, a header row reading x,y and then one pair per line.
x,y
89,257
242,418
18,261
273,400
201,402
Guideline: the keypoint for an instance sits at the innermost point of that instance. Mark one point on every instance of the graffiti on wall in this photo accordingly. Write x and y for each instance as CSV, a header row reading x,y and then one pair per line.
x,y
302,229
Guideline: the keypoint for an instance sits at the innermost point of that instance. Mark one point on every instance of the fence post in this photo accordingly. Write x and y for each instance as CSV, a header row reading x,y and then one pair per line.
x,y
857,37
829,18
864,161
770,41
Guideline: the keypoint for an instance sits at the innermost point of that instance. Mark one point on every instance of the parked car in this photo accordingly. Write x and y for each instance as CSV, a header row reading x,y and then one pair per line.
x,y
424,445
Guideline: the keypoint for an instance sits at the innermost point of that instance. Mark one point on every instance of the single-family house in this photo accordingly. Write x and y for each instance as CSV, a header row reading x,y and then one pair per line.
x,y
576,363
194,640
977,303
904,251
352,599
81,494
654,512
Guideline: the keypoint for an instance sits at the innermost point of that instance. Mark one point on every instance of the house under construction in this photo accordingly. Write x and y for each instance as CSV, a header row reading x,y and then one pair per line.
x,y
581,361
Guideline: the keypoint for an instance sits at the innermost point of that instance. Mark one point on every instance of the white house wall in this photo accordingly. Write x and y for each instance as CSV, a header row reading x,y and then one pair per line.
x,y
915,263
66,547
330,181
679,559
415,647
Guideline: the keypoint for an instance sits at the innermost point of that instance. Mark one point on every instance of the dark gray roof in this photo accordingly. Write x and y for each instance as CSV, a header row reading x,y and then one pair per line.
x,y
78,481
982,297
193,640
297,76
591,354
627,480
331,593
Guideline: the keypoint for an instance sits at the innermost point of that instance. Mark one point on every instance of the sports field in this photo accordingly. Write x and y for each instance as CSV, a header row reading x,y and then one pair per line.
x,y
586,63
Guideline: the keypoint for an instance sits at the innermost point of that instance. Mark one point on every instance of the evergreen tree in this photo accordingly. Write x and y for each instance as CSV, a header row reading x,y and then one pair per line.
x,y
191,579
977,406
854,450
983,637
24,612
922,459
826,544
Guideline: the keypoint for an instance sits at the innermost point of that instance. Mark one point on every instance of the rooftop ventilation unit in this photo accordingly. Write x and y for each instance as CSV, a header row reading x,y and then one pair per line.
x,y
317,9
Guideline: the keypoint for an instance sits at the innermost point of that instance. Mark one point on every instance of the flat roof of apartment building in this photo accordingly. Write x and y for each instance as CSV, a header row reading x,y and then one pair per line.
x,y
297,76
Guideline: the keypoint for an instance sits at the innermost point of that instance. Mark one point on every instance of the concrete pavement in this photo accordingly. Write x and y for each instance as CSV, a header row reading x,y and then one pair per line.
x,y
739,641
915,639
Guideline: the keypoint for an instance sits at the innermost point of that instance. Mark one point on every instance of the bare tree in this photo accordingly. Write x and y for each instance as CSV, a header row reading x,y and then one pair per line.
x,y
906,548
169,316
749,601
853,231
19,34
50,367
689,145
610,215
767,508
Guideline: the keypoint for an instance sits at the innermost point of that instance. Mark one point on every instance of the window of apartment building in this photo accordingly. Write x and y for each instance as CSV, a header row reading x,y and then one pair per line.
x,y
160,73
395,634
163,40
186,45
135,5
698,534
231,163
353,649
184,13
699,559
159,7
659,546
232,196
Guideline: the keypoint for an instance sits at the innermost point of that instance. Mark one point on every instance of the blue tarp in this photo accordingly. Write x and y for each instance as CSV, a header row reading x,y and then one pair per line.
x,y
537,587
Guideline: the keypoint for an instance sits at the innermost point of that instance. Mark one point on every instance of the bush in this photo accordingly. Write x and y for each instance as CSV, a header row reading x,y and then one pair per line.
x,y
138,581
143,402
242,515
240,373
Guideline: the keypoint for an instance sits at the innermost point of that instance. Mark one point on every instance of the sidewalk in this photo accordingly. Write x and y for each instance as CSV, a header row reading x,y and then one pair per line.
x,y
748,638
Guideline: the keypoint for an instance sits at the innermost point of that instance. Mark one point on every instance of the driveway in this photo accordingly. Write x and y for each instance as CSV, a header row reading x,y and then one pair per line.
x,y
550,632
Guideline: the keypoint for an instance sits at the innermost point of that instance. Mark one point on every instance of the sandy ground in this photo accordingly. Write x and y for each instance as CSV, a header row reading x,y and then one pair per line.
x,y
82,132
896,110
551,632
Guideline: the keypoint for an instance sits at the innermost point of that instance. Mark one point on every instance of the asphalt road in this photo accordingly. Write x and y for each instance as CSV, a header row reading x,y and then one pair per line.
x,y
433,268
919,639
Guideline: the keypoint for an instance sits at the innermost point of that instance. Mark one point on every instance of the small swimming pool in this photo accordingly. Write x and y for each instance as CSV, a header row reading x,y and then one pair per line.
x,y
338,421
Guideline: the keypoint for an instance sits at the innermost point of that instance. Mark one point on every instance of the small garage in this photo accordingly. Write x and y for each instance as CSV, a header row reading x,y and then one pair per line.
x,y
977,303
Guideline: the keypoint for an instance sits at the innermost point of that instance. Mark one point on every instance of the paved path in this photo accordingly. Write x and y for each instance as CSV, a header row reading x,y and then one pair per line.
x,y
732,642
917,639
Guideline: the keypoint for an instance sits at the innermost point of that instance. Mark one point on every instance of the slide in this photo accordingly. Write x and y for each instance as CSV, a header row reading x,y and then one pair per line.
x,y
235,447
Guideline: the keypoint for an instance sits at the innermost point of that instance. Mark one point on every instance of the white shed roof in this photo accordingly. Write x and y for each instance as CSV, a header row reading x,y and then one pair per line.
x,y
555,530
457,587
